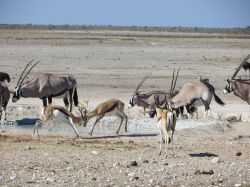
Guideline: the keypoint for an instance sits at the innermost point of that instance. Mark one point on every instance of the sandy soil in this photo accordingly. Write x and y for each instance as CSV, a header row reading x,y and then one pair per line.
x,y
107,65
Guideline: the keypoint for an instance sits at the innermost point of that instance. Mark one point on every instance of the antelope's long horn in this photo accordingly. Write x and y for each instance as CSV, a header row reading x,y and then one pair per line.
x,y
142,81
175,80
238,69
29,71
24,71
170,92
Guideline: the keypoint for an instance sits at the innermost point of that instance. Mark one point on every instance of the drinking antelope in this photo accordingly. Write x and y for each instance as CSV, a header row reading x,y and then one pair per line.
x,y
53,112
109,107
4,99
195,94
167,121
240,87
147,100
46,86
4,77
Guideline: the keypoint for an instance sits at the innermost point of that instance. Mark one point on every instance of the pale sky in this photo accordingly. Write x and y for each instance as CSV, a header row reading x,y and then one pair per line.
x,y
186,13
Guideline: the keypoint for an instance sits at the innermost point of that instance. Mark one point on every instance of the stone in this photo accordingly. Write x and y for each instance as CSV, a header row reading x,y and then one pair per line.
x,y
133,163
95,152
238,153
13,177
145,161
216,160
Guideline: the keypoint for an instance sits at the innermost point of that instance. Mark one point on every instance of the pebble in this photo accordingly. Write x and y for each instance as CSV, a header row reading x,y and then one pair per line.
x,y
95,152
1,177
216,160
133,163
145,161
70,168
238,154
13,177
237,185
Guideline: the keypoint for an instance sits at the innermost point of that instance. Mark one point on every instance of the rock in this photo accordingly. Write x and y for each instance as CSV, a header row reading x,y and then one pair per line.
x,y
50,179
95,152
13,177
238,153
150,181
133,163
135,178
70,168
232,119
237,185
165,164
216,160
131,142
199,172
145,161
1,177
93,179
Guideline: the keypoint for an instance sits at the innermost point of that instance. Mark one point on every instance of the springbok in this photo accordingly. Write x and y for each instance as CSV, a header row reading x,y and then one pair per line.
x,y
4,99
195,94
166,121
240,87
4,77
53,112
109,107
46,86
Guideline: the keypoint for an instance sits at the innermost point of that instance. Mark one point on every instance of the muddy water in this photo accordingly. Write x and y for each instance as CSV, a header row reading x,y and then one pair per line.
x,y
106,127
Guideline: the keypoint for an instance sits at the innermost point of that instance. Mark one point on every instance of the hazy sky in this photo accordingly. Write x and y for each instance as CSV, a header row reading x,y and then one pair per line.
x,y
200,13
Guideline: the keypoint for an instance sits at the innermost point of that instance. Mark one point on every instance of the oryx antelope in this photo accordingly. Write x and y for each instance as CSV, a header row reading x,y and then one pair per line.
x,y
166,118
53,112
246,67
109,107
240,87
147,100
4,77
195,94
46,86
4,99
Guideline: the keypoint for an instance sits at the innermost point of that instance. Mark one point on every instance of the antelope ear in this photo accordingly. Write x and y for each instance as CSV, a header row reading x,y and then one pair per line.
x,y
228,81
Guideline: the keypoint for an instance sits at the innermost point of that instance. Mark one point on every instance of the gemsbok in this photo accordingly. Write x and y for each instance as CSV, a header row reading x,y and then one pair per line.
x,y
147,100
195,94
109,107
240,87
53,112
4,99
46,86
166,118
4,77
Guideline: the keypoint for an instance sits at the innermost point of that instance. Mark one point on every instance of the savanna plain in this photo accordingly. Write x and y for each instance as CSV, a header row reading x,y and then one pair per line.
x,y
109,64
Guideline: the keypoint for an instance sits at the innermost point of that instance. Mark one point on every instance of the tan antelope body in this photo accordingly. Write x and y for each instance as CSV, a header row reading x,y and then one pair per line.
x,y
197,93
4,99
167,123
240,87
46,86
109,107
53,112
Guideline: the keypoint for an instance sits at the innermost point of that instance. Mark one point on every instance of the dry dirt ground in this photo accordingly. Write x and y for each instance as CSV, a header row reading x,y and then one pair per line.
x,y
109,64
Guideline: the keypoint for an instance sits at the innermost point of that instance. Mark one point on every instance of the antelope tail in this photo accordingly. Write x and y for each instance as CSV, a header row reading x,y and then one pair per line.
x,y
216,97
75,97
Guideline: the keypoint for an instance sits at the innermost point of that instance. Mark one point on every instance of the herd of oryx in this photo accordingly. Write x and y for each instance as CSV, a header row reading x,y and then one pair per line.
x,y
167,106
